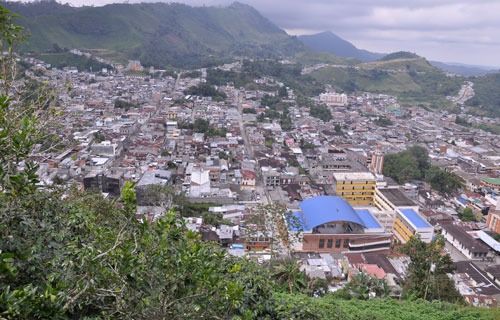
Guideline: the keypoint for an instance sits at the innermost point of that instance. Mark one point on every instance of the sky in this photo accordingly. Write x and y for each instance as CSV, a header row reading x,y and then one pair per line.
x,y
463,31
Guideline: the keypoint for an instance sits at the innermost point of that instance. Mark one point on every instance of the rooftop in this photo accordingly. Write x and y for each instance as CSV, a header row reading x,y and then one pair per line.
x,y
415,219
495,181
319,210
459,233
354,176
396,197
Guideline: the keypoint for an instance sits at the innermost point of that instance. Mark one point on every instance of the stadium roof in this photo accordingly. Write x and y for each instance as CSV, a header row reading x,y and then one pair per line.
x,y
368,219
324,209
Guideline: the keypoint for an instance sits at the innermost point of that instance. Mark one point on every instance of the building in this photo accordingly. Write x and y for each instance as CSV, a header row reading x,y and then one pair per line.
x,y
148,188
387,201
493,220
377,162
475,285
106,183
472,248
333,99
331,224
493,183
248,179
358,188
409,223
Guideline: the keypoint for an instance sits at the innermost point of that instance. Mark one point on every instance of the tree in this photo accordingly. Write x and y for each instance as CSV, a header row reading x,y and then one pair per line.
x,y
401,167
467,215
201,125
287,272
443,181
338,128
363,286
427,274
283,92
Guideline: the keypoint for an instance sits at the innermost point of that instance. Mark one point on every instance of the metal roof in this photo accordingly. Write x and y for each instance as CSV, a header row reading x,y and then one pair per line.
x,y
368,219
415,219
324,209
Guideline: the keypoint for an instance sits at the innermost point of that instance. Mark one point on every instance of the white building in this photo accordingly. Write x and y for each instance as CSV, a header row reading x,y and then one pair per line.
x,y
333,99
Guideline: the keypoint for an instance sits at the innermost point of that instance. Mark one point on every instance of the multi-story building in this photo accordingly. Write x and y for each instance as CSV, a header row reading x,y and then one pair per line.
x,y
409,223
377,162
333,99
493,220
387,201
331,224
358,188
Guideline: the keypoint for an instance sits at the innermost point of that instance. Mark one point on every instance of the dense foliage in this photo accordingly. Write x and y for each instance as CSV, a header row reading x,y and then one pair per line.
x,y
206,90
427,275
414,164
157,34
67,59
412,81
65,254
124,104
487,96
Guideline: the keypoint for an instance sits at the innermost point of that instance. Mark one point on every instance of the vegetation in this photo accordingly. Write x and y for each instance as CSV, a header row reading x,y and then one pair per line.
x,y
399,55
487,96
412,80
157,34
414,164
67,59
364,287
218,77
206,90
191,74
65,254
321,112
467,215
443,181
203,126
249,110
383,122
427,275
123,104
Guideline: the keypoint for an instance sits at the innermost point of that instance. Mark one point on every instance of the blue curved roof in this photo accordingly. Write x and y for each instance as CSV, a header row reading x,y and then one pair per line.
x,y
323,209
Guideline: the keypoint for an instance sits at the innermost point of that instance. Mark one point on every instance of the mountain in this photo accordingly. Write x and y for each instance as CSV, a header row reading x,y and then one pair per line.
x,y
464,69
399,55
331,43
157,34
408,76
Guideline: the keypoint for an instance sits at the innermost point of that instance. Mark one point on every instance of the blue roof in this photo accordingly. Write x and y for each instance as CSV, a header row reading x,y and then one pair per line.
x,y
415,218
323,209
369,220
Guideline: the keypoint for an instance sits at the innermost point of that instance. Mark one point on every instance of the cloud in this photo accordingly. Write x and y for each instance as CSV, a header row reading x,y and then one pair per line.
x,y
451,30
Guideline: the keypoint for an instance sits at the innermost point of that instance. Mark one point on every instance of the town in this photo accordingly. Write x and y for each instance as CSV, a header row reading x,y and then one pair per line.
x,y
265,173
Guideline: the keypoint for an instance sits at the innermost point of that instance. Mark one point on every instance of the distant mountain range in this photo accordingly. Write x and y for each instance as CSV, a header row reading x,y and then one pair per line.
x,y
176,35
157,34
331,43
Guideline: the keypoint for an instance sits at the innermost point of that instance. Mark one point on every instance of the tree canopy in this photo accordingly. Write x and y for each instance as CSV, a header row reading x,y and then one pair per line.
x,y
414,164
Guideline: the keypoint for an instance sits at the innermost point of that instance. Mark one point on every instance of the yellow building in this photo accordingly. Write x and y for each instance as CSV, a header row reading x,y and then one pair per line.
x,y
409,223
358,188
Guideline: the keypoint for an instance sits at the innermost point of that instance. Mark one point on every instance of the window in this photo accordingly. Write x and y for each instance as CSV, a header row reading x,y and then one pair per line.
x,y
329,244
337,243
346,243
321,243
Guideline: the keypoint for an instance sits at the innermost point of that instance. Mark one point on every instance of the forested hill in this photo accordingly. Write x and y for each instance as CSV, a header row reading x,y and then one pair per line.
x,y
158,34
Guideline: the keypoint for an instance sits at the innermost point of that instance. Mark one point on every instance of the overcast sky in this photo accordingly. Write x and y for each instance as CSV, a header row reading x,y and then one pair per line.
x,y
466,31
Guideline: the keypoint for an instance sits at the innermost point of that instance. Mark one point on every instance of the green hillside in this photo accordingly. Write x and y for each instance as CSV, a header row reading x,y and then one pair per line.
x,y
487,98
413,80
158,34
